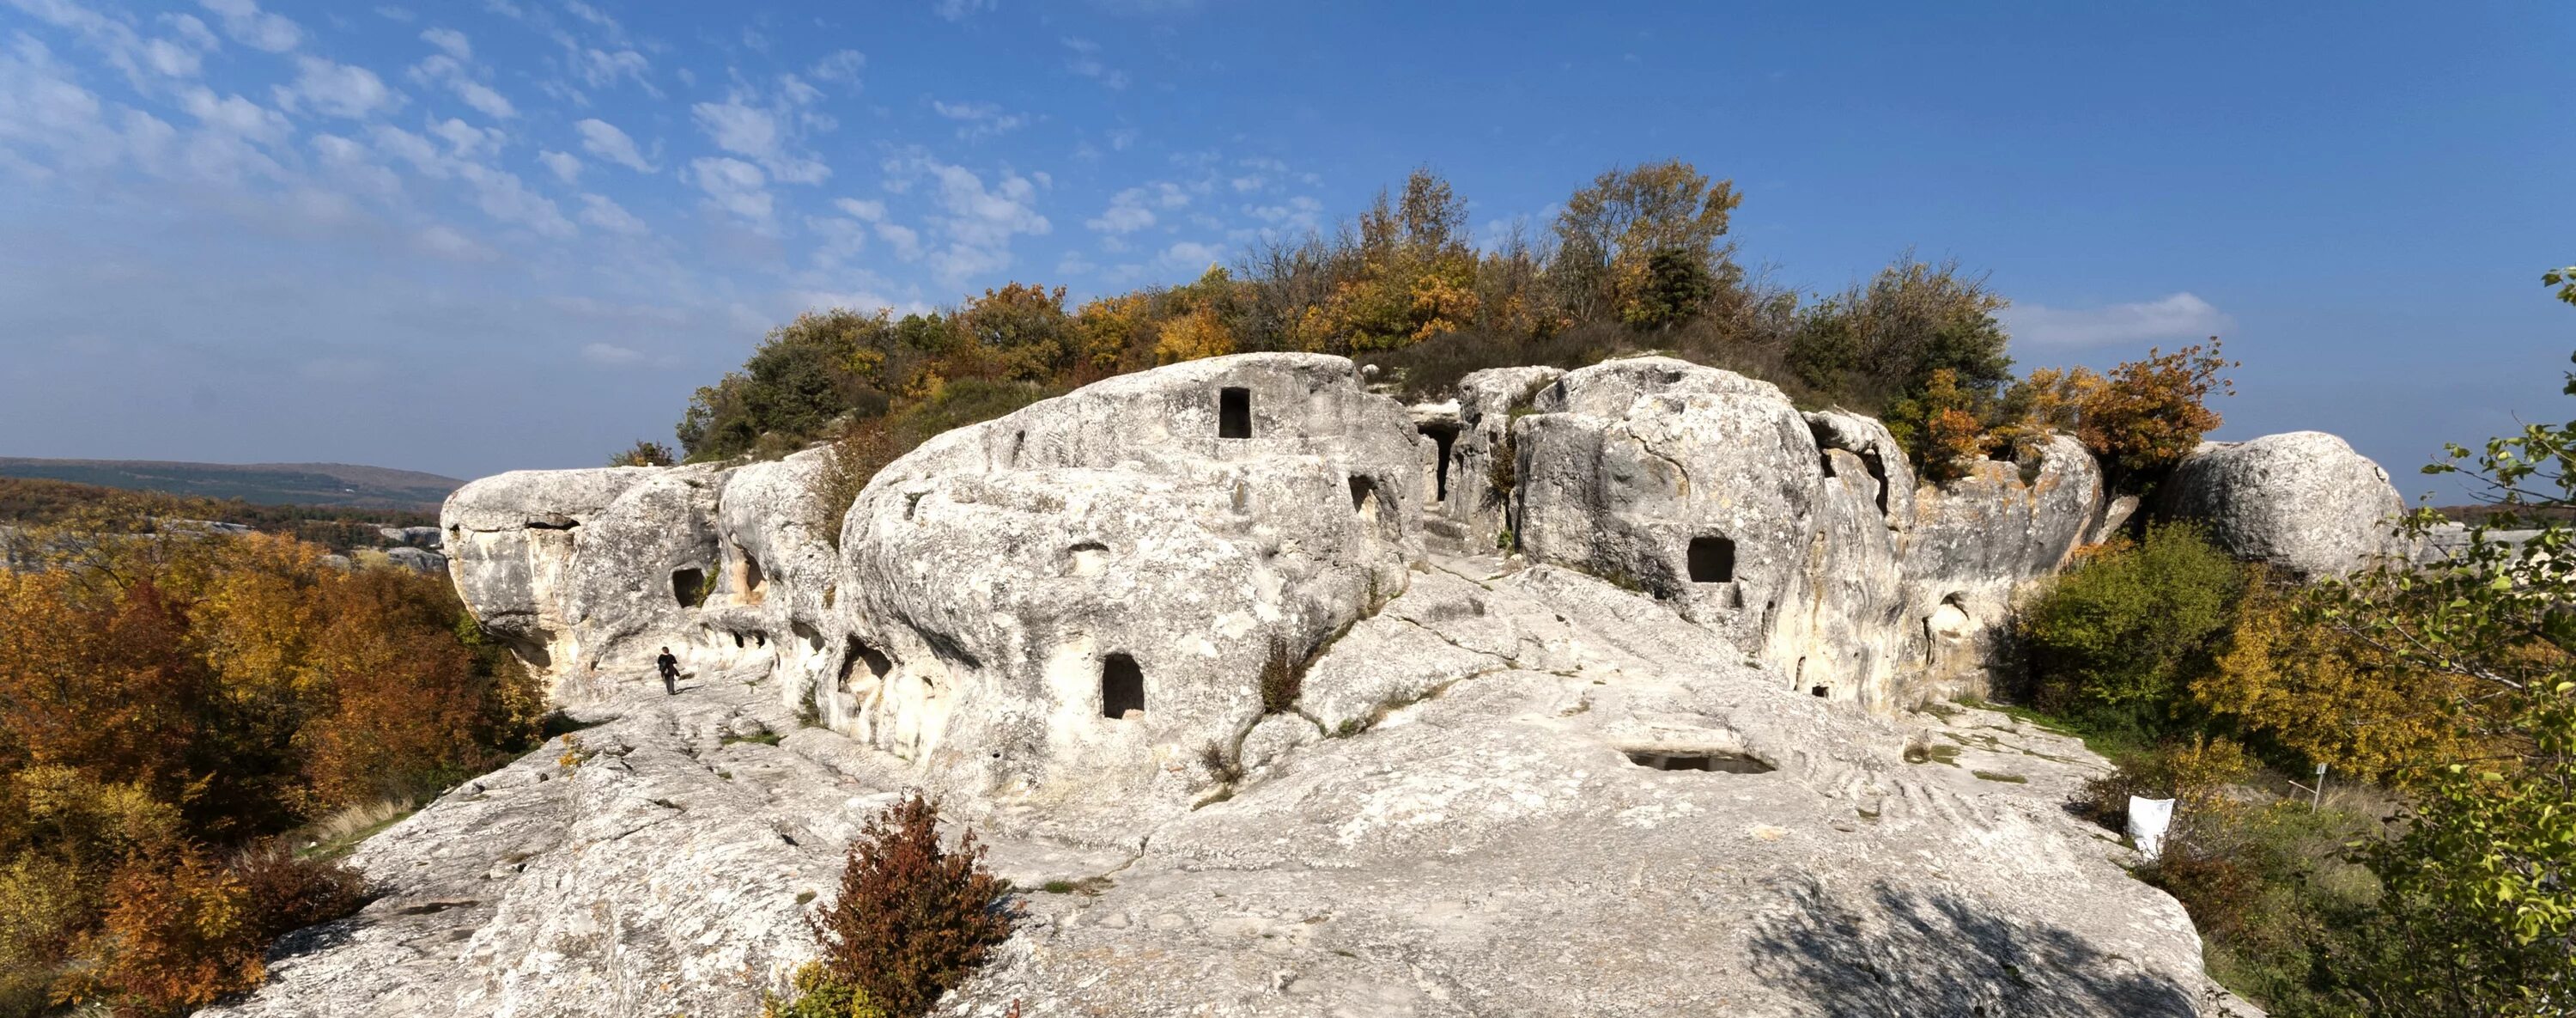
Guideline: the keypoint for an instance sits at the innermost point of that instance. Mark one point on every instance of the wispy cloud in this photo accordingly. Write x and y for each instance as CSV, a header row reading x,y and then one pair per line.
x,y
603,139
979,119
1085,61
255,28
2178,316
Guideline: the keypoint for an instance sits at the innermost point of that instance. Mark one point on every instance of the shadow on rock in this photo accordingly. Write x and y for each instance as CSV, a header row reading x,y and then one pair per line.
x,y
1918,953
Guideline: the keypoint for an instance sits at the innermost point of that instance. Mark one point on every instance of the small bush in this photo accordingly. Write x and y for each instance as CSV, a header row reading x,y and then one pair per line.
x,y
1283,678
820,994
183,930
2114,643
913,920
645,453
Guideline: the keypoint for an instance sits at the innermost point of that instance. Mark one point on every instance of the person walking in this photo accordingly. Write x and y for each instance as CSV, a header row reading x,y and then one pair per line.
x,y
670,667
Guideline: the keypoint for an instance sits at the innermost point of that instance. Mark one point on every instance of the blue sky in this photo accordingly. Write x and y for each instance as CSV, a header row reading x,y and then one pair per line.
x,y
476,236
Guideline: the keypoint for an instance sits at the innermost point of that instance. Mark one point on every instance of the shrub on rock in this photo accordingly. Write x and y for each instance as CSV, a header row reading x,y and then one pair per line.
x,y
913,919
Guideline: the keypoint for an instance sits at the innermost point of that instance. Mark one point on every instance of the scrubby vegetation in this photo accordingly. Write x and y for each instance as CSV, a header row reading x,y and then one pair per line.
x,y
912,921
2439,877
1638,261
176,712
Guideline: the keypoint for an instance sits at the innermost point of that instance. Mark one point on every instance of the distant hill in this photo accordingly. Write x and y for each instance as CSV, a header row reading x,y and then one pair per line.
x,y
308,484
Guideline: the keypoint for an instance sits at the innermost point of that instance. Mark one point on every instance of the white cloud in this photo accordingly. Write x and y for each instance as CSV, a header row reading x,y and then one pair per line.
x,y
468,142
354,167
390,12
451,40
2178,316
759,134
610,355
252,27
236,116
125,50
603,139
499,193
566,168
336,89
1086,62
841,66
192,31
734,186
600,69
976,222
981,120
458,77
598,211
1192,256
448,243
591,14
862,210
957,10
906,240
1126,213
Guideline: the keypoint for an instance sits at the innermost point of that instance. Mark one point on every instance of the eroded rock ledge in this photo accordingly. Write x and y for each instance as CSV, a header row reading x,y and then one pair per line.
x,y
1654,763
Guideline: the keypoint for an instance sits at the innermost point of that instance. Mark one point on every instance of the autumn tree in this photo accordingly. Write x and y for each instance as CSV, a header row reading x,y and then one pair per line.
x,y
1610,233
2478,915
1202,324
1885,340
1025,329
2149,414
1406,272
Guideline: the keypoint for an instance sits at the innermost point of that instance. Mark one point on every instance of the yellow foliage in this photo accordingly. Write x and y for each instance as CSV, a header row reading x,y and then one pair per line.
x,y
2149,414
1107,328
2329,698
1200,333
2050,400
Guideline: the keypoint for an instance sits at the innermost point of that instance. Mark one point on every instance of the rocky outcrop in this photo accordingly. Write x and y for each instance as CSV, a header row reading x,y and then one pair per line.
x,y
1078,602
1532,835
1800,537
1177,641
2303,502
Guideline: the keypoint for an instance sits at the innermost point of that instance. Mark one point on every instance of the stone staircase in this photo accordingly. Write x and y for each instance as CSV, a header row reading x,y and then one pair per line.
x,y
1444,536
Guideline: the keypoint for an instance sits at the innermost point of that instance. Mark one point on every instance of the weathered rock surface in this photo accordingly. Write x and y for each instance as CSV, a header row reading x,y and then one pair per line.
x,y
2301,501
1027,582
1178,639
1800,537
1486,847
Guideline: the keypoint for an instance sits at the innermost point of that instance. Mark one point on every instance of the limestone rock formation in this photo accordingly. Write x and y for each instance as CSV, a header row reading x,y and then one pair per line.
x,y
1222,646
2301,501
1802,538
1075,602
1599,808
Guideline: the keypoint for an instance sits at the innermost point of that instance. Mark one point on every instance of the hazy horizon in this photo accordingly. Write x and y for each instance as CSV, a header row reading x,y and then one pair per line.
x,y
517,234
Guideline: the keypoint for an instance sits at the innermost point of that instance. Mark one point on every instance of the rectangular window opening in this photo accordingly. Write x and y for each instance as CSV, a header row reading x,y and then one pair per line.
x,y
1712,559
1233,412
1122,686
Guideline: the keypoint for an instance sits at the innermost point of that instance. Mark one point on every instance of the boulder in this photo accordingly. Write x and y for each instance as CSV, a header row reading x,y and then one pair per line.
x,y
2303,502
584,569
1689,483
1077,603
418,560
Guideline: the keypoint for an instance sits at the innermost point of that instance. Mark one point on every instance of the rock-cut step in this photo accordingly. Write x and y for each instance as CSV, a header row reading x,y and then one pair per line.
x,y
1442,534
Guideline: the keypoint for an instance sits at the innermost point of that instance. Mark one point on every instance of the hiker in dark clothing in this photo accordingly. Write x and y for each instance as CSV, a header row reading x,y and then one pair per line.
x,y
670,667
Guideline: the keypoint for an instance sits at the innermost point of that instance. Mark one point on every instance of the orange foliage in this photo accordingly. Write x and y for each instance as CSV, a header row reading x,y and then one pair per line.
x,y
164,698
2151,413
